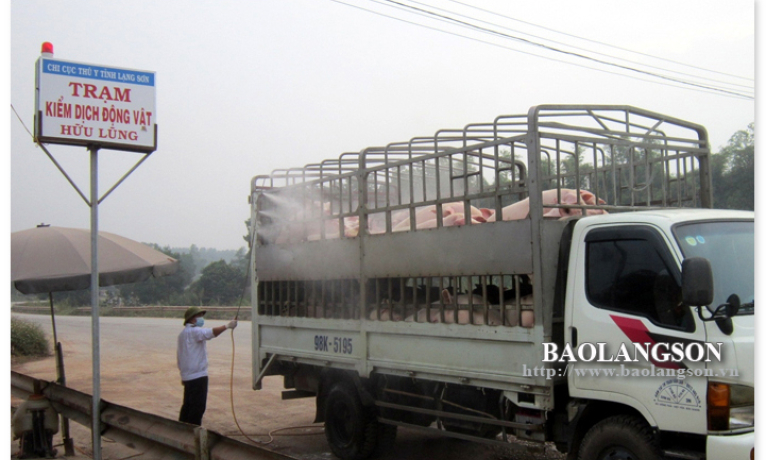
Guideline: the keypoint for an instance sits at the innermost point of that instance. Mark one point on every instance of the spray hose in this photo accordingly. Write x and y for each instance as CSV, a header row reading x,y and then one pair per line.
x,y
271,434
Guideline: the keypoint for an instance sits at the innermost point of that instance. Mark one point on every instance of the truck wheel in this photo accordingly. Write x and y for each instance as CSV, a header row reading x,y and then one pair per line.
x,y
386,438
350,428
622,437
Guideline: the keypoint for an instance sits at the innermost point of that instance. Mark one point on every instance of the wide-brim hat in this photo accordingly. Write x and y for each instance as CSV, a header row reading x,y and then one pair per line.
x,y
191,312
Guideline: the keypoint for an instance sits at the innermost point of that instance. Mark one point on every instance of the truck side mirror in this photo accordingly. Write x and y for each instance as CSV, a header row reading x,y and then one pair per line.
x,y
732,305
697,282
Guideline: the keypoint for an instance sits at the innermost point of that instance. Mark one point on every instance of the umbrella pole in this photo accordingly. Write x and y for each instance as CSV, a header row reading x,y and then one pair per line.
x,y
61,379
55,338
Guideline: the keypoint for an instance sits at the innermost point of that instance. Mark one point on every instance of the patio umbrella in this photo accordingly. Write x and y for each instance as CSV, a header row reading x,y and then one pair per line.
x,y
51,259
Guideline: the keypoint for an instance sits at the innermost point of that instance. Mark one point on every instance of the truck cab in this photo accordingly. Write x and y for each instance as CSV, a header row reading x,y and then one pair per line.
x,y
626,287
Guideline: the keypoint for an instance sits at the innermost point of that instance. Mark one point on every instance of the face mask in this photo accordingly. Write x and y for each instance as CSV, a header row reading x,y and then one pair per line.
x,y
200,322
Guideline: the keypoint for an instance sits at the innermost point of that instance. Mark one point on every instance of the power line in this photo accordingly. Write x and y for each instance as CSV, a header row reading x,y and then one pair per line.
x,y
565,52
22,121
748,87
599,42
634,77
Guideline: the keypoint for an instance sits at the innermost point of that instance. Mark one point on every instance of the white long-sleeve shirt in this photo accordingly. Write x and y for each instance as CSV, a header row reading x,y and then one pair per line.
x,y
191,354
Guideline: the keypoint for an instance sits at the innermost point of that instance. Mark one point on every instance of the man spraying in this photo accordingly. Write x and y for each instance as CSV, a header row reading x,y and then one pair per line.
x,y
192,362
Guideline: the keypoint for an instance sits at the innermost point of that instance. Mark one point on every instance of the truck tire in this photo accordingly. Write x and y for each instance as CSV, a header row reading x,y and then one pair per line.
x,y
386,438
350,428
621,437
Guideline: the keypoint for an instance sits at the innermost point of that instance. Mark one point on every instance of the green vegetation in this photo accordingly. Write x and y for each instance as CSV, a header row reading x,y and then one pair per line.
x,y
168,290
27,339
733,171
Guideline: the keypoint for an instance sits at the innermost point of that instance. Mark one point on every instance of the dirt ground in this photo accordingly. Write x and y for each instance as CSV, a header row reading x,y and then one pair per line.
x,y
138,370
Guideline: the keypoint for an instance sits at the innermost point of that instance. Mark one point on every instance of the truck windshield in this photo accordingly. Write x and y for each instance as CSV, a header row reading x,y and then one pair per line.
x,y
730,248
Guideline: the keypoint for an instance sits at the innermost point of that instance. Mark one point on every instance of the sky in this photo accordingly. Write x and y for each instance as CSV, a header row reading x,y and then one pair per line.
x,y
245,87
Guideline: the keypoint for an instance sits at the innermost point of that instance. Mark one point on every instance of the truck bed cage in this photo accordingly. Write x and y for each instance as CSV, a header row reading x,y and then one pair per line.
x,y
451,229
626,156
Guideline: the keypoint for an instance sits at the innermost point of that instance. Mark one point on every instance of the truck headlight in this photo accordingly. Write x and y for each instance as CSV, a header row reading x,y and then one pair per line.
x,y
729,407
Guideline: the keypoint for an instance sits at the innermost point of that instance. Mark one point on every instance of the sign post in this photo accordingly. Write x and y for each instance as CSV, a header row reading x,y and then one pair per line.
x,y
95,107
94,294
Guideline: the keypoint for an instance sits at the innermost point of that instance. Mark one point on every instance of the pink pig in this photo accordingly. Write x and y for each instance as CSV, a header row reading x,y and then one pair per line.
x,y
452,215
464,316
520,210
386,314
433,316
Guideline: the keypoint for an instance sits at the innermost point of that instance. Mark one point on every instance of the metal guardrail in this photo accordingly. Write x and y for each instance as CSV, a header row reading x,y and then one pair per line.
x,y
160,308
166,439
47,309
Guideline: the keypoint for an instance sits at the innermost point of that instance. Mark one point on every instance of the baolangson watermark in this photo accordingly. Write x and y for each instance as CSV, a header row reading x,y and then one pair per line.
x,y
657,352
623,371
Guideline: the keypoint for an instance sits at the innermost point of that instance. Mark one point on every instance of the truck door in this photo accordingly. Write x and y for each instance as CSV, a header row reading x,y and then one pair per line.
x,y
626,290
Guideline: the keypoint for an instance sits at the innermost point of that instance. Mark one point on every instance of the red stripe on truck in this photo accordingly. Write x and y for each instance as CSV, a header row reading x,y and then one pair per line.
x,y
637,332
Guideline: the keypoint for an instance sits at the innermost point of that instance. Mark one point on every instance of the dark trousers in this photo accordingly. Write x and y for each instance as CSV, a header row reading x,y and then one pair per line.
x,y
195,400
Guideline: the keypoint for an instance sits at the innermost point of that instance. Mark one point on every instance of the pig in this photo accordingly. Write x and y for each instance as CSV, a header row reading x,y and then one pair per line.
x,y
351,226
487,214
376,222
464,316
332,312
515,211
386,314
305,223
400,216
520,210
452,215
313,229
458,208
458,219
527,316
422,214
395,299
508,295
569,196
331,230
306,305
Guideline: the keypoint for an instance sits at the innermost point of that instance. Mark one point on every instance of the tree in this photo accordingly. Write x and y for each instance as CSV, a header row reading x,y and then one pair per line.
x,y
242,257
220,284
166,290
72,298
733,171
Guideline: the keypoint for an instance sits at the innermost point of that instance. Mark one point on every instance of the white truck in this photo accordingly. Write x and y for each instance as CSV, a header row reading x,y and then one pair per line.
x,y
557,276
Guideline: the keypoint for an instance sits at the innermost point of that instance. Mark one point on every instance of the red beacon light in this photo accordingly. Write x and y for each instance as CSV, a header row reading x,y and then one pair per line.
x,y
47,49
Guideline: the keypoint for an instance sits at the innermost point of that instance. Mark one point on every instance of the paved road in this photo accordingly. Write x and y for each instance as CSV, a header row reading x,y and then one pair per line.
x,y
138,370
